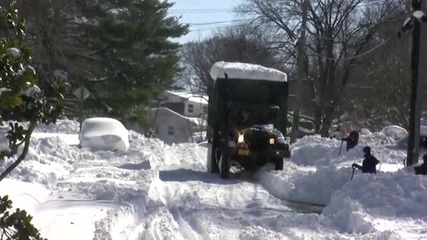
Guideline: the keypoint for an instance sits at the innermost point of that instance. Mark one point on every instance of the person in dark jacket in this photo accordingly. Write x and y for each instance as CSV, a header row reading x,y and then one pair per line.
x,y
422,169
369,163
351,140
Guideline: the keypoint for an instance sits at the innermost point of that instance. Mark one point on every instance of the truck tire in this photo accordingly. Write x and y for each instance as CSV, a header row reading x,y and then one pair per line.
x,y
224,166
279,164
211,163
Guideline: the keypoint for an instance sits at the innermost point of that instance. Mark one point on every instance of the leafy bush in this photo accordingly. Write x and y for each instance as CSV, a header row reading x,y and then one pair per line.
x,y
24,102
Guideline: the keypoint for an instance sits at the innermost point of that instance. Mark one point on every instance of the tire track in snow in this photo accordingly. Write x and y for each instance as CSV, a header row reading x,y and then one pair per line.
x,y
173,197
203,206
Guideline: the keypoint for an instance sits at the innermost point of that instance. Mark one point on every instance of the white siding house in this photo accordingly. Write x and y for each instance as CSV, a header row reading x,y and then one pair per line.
x,y
172,127
194,105
179,116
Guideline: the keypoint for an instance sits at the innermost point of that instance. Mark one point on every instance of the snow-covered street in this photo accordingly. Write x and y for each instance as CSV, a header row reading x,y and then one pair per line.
x,y
156,191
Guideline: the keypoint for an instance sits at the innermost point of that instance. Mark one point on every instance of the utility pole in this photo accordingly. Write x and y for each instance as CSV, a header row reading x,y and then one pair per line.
x,y
301,71
415,101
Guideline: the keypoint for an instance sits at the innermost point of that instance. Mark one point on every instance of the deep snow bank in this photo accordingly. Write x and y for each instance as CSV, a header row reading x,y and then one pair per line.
x,y
48,159
370,203
62,126
314,187
401,194
317,151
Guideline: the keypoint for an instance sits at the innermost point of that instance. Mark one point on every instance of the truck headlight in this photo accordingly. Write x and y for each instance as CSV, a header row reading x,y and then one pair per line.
x,y
241,138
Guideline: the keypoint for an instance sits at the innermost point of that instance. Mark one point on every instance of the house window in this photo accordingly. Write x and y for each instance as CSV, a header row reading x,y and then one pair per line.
x,y
190,108
171,130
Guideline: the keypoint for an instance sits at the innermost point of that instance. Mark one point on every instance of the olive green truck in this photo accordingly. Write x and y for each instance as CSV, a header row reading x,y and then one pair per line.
x,y
247,117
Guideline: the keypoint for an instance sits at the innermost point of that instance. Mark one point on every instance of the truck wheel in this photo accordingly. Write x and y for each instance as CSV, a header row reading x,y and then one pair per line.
x,y
279,164
224,166
211,163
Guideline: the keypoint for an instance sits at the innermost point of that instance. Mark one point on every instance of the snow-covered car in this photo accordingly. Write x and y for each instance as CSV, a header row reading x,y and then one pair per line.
x,y
402,142
395,132
104,134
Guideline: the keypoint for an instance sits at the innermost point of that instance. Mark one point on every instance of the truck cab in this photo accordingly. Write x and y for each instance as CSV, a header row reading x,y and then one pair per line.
x,y
247,117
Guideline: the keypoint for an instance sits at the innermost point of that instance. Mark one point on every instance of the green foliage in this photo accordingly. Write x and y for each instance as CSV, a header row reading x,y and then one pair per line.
x,y
22,104
16,225
137,57
21,99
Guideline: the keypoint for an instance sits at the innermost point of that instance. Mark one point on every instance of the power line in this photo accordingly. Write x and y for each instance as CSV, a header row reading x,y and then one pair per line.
x,y
227,10
200,12
217,22
200,9
213,28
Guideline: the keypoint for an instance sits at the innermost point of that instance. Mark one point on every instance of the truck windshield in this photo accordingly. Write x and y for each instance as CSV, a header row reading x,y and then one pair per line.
x,y
258,115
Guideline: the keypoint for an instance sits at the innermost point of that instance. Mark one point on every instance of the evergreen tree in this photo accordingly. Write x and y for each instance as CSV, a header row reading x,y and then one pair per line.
x,y
131,42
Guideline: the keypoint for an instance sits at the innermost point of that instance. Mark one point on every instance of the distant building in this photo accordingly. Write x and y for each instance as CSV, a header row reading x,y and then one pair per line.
x,y
179,116
186,104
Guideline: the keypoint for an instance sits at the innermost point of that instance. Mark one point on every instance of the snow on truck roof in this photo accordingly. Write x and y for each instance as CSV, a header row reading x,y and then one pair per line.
x,y
238,70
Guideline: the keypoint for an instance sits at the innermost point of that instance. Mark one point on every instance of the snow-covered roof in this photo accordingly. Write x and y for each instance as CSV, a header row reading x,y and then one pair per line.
x,y
238,70
197,121
196,98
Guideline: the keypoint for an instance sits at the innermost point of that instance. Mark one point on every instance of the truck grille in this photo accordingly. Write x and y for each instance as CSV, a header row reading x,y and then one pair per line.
x,y
257,140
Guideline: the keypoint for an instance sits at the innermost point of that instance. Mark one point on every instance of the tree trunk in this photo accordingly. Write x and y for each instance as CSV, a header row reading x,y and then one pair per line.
x,y
27,139
317,118
301,73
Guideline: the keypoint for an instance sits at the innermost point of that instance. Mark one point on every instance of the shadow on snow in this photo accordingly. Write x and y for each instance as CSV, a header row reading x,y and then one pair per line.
x,y
188,175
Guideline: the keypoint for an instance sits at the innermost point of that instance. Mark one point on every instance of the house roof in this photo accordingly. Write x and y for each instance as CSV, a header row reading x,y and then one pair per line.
x,y
194,120
196,98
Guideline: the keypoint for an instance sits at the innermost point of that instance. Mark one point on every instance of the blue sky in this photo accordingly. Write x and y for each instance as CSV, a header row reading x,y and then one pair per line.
x,y
200,12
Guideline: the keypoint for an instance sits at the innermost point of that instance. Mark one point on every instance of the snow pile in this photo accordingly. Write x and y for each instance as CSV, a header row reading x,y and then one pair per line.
x,y
383,201
332,172
195,157
62,126
317,151
47,160
401,194
347,216
237,70
314,187
104,134
365,131
375,139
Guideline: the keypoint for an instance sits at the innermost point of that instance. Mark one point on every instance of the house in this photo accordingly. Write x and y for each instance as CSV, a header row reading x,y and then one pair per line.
x,y
179,116
172,127
186,104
